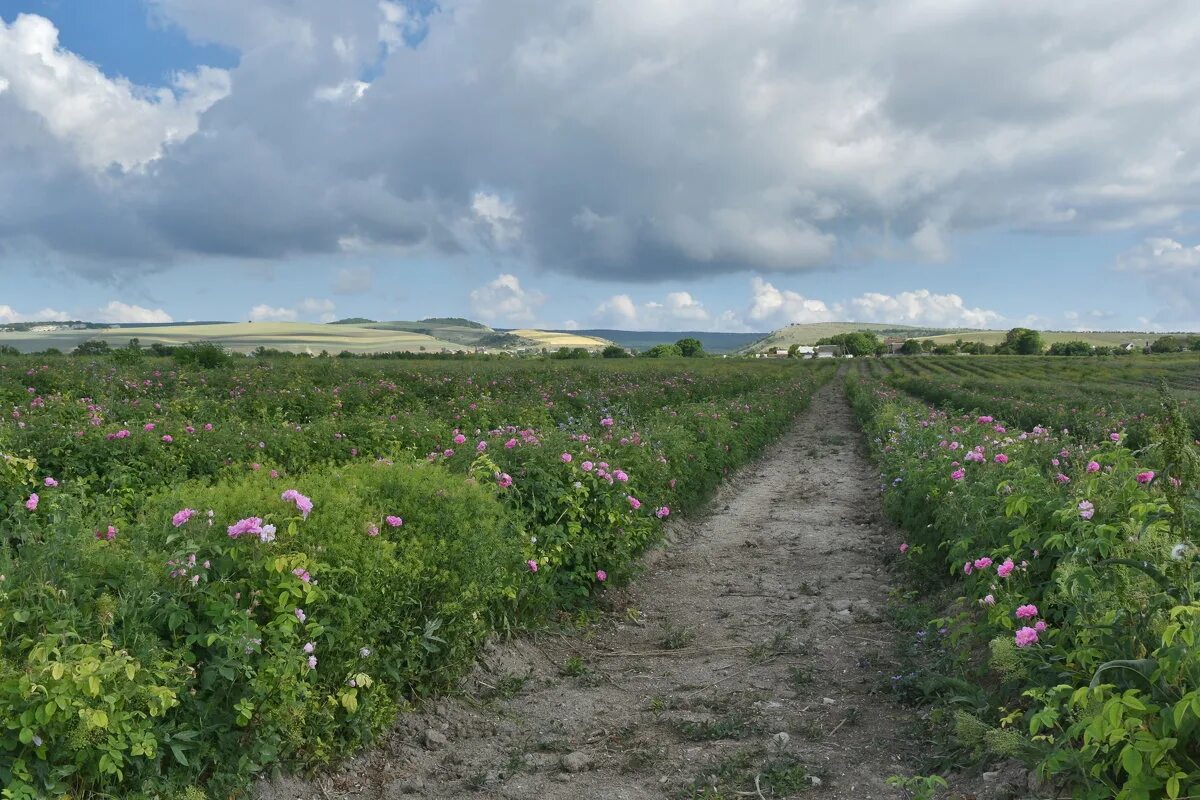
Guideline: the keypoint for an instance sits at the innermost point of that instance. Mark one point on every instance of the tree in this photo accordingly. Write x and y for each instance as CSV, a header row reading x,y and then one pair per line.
x,y
859,343
793,351
614,351
1072,348
1022,341
1166,344
690,347
92,347
911,347
663,351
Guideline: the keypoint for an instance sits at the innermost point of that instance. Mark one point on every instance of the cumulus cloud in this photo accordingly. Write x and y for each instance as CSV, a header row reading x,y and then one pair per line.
x,y
920,307
309,308
116,311
102,120
8,314
503,299
616,141
771,307
678,311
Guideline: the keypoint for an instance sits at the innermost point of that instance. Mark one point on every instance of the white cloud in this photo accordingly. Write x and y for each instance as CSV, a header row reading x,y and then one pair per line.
x,y
503,299
9,314
1162,256
116,311
354,280
268,313
920,307
104,120
499,217
773,307
321,309
678,311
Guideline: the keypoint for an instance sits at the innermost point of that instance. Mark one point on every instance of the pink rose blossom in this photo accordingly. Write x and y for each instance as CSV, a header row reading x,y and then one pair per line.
x,y
1145,477
904,547
634,503
601,575
532,564
1026,636
1000,458
958,474
565,458
662,512
32,502
182,516
504,480
1005,569
1093,466
1026,612
50,482
394,521
304,504
1086,509
983,563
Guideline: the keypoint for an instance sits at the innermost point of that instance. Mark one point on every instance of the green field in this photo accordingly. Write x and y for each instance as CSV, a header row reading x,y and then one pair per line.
x,y
810,333
307,337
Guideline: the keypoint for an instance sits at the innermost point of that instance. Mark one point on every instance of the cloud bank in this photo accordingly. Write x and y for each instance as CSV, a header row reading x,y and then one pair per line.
x,y
608,140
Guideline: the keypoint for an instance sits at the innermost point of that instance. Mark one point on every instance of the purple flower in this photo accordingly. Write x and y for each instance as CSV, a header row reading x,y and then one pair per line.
x,y
303,503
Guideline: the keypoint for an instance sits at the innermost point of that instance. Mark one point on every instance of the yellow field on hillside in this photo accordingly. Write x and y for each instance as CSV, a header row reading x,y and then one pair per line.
x,y
555,340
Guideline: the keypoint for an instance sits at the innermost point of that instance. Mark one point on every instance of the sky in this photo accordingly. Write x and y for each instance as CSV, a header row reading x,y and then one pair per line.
x,y
658,165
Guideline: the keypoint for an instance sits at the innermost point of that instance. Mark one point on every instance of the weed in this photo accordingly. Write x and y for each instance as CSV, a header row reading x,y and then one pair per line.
x,y
676,637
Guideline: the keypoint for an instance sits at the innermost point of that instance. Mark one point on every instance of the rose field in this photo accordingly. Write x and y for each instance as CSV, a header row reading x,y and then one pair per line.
x,y
1051,522
218,569
209,570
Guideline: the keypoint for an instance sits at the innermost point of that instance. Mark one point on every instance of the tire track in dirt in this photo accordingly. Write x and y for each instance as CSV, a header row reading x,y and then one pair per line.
x,y
751,656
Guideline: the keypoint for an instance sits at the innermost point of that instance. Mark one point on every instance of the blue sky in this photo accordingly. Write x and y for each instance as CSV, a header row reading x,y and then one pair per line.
x,y
681,166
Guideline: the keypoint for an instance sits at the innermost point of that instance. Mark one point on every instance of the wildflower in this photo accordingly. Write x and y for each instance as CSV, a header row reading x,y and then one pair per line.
x,y
1005,569
983,563
1145,477
662,512
1093,466
50,482
601,575
904,547
634,503
1000,458
32,502
532,564
303,503
182,516
958,474
394,521
565,458
1086,509
1026,636
1026,611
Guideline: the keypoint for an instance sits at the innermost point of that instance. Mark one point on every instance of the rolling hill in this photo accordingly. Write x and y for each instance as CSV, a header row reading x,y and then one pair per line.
x,y
810,333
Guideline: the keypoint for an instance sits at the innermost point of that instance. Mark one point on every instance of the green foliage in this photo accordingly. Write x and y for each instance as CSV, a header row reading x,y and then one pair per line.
x,y
1076,559
205,355
690,347
1072,348
662,351
1022,342
139,657
92,347
860,343
614,351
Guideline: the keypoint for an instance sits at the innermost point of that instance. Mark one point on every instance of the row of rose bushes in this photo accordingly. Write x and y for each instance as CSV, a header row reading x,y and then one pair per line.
x,y
1075,564
172,626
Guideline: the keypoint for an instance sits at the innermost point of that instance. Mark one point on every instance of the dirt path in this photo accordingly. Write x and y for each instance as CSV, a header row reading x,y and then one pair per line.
x,y
751,651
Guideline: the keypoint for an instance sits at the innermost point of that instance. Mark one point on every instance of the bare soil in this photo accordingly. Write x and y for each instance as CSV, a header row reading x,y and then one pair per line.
x,y
751,659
